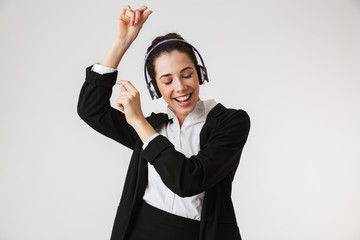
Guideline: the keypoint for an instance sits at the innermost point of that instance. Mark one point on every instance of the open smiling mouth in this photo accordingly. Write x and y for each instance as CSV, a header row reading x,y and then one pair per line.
x,y
183,99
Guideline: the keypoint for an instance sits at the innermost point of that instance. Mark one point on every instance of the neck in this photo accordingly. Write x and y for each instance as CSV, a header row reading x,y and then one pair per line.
x,y
181,118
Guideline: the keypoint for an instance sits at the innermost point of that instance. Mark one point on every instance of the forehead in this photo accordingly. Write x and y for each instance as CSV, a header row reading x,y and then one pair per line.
x,y
172,61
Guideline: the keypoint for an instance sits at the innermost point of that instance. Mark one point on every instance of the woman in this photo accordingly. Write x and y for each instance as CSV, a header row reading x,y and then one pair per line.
x,y
178,184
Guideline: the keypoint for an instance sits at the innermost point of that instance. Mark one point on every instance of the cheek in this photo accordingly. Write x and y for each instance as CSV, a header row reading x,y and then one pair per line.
x,y
165,92
196,86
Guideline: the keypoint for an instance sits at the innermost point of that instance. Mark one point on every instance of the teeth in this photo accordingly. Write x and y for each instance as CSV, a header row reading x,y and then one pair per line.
x,y
180,99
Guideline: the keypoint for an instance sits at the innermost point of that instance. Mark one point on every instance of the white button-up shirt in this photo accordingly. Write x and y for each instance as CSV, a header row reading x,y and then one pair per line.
x,y
185,140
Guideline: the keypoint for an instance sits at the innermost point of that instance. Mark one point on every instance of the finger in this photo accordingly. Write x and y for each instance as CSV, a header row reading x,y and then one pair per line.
x,y
137,16
132,18
125,18
123,88
119,104
121,82
123,101
121,107
143,8
146,15
130,95
127,93
123,15
124,8
129,8
127,84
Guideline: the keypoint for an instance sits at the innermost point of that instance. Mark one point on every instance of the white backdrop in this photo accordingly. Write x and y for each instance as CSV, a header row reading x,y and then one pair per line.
x,y
292,65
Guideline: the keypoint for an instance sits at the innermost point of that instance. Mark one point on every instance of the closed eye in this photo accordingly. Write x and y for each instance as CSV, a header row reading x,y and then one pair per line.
x,y
188,76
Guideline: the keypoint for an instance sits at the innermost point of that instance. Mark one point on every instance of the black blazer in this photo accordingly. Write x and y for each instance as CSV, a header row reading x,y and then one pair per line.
x,y
212,170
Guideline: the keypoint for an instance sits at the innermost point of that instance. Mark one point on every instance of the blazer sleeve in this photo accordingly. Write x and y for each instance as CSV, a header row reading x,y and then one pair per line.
x,y
95,109
216,159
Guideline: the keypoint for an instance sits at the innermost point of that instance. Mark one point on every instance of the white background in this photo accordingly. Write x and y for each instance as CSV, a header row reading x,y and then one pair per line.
x,y
292,65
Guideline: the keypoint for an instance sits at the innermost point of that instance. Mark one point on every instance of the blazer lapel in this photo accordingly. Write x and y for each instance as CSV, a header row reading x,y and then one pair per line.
x,y
155,119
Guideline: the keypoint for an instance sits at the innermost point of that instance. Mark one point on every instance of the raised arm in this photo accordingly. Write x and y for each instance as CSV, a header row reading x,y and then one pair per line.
x,y
93,104
128,27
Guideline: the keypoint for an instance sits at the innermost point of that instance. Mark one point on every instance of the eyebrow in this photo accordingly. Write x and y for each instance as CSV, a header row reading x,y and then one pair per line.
x,y
169,74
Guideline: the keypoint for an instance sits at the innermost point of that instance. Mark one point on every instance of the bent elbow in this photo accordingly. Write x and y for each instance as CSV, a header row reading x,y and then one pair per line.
x,y
80,111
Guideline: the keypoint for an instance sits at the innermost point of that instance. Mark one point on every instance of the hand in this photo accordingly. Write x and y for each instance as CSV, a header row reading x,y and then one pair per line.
x,y
128,27
129,103
129,24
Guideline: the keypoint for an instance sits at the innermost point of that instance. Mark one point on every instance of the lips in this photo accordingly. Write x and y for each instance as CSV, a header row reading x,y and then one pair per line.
x,y
183,98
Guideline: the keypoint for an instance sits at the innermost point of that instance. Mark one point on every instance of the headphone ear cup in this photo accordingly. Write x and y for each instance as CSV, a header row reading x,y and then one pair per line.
x,y
154,90
202,74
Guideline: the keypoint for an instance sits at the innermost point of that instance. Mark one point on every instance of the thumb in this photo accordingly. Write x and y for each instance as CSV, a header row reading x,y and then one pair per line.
x,y
123,89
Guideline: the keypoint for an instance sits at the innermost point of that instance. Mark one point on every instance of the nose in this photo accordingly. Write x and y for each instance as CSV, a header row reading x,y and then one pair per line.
x,y
180,85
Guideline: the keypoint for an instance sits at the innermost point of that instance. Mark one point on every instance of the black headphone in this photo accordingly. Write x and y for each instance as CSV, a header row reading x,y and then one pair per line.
x,y
152,86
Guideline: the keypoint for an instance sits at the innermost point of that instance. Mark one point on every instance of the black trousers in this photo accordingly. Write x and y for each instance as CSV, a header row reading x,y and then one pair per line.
x,y
152,223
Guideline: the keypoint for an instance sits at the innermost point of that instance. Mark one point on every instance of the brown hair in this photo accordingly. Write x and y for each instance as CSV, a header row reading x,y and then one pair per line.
x,y
167,47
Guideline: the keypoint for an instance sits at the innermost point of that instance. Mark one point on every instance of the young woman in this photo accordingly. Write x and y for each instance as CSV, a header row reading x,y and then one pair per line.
x,y
179,180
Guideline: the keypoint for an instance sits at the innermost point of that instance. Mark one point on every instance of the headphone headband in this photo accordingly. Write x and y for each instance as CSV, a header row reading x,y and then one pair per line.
x,y
165,41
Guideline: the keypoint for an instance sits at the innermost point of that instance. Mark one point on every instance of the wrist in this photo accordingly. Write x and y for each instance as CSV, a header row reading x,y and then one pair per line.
x,y
121,43
139,123
115,53
143,129
120,46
